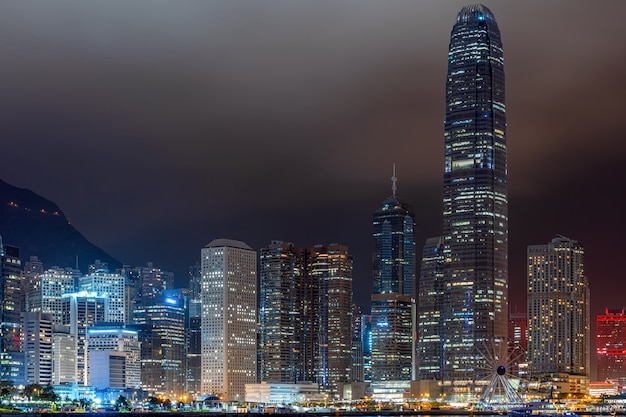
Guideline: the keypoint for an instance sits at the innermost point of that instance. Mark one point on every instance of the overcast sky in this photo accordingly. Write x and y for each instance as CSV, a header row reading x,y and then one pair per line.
x,y
158,126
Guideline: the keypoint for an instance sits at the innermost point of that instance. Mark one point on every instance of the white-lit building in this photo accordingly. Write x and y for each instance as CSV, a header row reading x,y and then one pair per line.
x,y
46,293
273,393
63,358
37,347
86,309
228,328
116,339
107,369
110,286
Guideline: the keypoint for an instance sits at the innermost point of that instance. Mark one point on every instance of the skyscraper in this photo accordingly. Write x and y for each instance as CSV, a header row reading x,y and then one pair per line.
x,y
393,297
430,331
86,309
11,296
46,293
330,270
611,346
305,314
229,303
475,202
110,286
558,308
37,347
161,327
281,313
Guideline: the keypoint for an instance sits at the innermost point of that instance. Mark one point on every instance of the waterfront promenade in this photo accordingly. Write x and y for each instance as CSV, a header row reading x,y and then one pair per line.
x,y
363,413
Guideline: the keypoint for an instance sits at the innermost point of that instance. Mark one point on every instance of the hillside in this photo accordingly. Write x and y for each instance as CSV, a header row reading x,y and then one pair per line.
x,y
38,227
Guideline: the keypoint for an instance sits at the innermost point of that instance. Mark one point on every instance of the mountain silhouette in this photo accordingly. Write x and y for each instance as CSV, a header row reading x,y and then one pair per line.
x,y
37,226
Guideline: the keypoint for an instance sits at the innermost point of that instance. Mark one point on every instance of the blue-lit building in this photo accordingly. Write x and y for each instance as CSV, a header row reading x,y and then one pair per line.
x,y
393,297
161,328
11,295
431,293
475,201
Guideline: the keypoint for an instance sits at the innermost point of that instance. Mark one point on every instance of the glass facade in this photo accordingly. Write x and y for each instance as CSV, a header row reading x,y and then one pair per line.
x,y
281,302
393,298
475,193
430,330
475,203
611,346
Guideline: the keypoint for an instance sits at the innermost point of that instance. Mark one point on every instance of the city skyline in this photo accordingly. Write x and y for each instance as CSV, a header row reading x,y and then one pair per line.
x,y
126,92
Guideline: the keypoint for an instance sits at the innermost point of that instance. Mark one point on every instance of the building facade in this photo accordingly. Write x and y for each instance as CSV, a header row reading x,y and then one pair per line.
x,y
475,202
430,331
161,329
393,296
306,314
46,293
229,305
107,285
63,357
12,296
281,319
37,347
611,346
86,309
116,339
331,274
558,309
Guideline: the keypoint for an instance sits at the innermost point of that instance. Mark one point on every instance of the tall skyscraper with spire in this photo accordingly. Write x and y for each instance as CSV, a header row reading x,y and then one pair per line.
x,y
475,202
393,297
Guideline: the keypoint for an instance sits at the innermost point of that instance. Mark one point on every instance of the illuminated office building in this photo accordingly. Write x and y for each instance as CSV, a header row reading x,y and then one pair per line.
x,y
11,296
430,330
125,344
110,286
46,293
393,296
611,346
37,347
281,317
558,308
63,357
161,327
86,309
229,322
306,314
475,203
330,269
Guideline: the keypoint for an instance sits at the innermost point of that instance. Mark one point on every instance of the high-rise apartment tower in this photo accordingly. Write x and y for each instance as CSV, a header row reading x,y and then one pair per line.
x,y
229,302
558,309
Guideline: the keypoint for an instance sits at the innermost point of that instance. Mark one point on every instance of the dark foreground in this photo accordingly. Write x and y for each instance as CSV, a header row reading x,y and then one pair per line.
x,y
370,413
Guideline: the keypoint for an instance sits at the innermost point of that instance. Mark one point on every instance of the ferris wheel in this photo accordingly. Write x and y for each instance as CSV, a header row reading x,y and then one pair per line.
x,y
498,370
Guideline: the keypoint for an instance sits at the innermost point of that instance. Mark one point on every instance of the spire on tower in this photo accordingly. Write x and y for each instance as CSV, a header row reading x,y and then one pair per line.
x,y
394,179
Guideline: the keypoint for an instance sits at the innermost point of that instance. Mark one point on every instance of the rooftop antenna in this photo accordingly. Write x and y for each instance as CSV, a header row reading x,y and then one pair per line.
x,y
1,247
394,179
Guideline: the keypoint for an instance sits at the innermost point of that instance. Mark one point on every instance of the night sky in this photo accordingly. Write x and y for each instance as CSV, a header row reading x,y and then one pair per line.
x,y
158,126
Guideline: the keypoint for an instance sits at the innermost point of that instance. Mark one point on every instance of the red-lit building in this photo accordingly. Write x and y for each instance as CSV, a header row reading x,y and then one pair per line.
x,y
611,345
518,328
